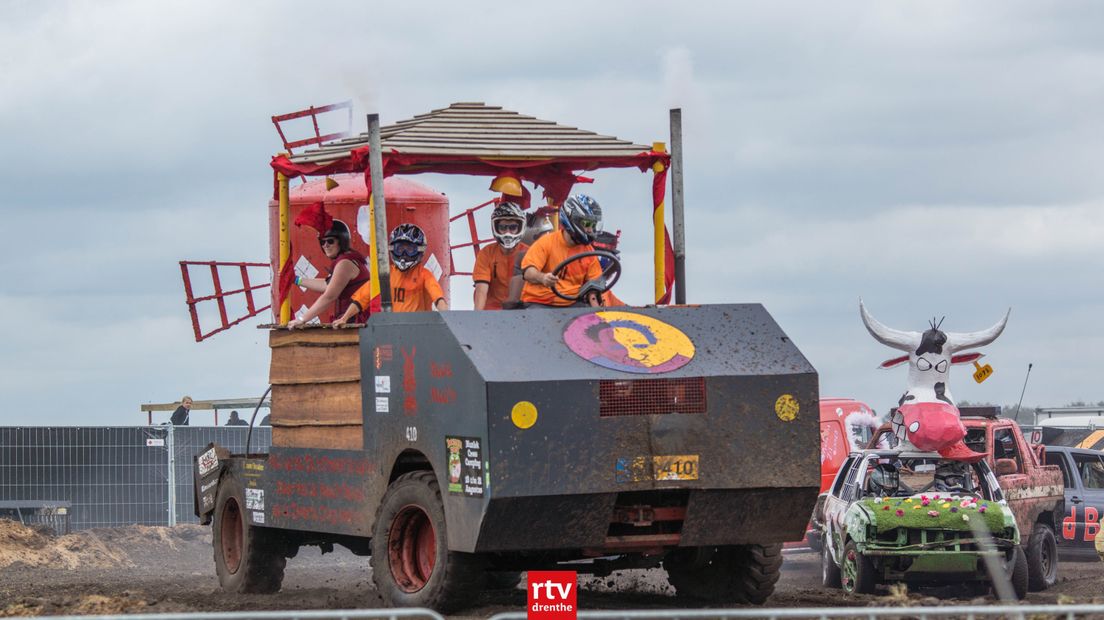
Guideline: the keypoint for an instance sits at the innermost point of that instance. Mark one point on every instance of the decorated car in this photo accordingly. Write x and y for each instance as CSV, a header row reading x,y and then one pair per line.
x,y
901,516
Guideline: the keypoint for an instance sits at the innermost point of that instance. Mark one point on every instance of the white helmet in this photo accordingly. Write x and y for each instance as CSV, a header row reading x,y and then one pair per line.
x,y
507,224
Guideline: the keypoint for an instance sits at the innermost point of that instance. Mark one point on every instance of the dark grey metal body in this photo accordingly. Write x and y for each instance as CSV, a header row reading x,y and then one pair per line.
x,y
429,377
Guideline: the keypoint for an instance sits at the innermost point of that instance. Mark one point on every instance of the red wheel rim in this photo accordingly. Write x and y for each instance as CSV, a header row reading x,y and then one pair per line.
x,y
231,535
412,548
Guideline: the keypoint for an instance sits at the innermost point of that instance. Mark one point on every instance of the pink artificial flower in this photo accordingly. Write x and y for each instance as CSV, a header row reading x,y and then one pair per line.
x,y
925,502
982,509
900,513
933,513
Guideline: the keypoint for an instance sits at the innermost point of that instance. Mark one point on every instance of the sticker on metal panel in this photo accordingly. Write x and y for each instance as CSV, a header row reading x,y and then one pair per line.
x,y
152,442
383,405
676,467
258,517
524,414
254,499
208,462
383,384
628,342
465,466
786,407
667,467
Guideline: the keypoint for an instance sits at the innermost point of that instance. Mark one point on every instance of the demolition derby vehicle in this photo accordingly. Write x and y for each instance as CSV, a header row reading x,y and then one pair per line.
x,y
459,445
918,517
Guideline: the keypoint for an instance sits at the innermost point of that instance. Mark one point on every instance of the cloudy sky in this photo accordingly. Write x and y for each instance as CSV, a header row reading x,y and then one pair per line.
x,y
935,158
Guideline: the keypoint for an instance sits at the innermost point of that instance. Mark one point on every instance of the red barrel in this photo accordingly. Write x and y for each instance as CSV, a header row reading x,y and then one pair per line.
x,y
407,202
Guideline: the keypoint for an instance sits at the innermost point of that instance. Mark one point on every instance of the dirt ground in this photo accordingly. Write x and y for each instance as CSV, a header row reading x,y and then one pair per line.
x,y
150,570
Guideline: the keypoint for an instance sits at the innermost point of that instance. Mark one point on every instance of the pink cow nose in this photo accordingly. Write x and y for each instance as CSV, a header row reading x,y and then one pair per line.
x,y
932,426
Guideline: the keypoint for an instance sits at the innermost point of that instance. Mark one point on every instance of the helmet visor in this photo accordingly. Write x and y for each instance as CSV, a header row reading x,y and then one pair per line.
x,y
508,226
405,249
589,224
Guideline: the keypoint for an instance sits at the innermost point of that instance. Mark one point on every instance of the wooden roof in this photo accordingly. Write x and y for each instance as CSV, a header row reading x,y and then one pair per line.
x,y
480,131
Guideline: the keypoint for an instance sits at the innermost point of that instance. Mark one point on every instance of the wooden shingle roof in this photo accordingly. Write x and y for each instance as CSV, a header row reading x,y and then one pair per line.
x,y
479,131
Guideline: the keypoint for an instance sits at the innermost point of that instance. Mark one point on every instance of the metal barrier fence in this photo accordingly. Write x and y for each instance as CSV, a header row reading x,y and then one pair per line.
x,y
972,612
112,476
336,614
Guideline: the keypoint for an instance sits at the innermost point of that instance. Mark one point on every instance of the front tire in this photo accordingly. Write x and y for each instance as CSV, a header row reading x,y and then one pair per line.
x,y
1042,558
829,570
411,562
857,571
248,559
1018,572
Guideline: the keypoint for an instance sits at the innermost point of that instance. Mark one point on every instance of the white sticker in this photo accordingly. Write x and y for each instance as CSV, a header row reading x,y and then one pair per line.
x,y
364,224
208,462
305,269
383,384
434,266
258,518
154,443
383,404
254,499
412,433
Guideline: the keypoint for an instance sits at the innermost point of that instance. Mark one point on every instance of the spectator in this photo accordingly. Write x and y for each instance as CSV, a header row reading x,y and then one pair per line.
x,y
235,420
265,420
180,416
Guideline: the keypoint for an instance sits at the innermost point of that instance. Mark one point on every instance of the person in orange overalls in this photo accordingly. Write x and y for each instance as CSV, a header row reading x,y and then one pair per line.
x,y
494,265
580,219
413,287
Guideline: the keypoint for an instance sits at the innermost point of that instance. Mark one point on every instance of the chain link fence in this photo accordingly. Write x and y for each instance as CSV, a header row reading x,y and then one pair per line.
x,y
111,476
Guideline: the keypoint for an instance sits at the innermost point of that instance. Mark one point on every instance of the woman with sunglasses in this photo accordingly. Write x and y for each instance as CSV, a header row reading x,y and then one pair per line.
x,y
494,265
580,220
348,272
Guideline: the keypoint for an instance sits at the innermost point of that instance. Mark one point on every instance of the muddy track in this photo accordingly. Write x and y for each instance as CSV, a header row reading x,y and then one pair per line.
x,y
150,570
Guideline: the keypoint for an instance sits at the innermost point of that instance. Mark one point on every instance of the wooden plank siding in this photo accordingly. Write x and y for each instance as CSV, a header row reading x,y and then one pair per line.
x,y
316,399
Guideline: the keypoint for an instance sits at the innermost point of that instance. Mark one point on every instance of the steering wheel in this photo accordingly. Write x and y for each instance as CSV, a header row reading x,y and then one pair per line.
x,y
604,282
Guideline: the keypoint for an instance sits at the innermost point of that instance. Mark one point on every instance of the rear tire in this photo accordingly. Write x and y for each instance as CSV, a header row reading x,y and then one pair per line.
x,y
411,562
1042,558
857,571
731,574
248,559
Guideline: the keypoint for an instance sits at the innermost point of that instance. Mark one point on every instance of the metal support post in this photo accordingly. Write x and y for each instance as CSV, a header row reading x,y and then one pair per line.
x,y
170,448
676,206
379,211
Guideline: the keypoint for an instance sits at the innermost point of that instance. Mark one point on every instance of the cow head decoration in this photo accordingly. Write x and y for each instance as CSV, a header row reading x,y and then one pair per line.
x,y
927,416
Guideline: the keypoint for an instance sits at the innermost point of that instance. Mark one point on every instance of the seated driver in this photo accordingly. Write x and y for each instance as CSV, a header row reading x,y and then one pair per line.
x,y
580,219
884,481
413,287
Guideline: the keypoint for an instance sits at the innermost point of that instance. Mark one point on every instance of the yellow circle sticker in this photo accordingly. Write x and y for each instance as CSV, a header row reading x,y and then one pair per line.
x,y
786,407
524,414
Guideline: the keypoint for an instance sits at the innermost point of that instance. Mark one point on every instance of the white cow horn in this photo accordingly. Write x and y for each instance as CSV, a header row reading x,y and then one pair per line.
x,y
970,340
905,341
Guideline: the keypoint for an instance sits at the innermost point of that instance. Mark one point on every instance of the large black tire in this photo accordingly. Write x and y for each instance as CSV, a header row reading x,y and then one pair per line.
x,y
736,574
829,570
1042,558
857,571
411,562
1018,572
248,559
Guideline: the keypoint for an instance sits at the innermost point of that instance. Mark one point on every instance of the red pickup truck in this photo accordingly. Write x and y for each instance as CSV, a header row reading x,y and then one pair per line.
x,y
1033,489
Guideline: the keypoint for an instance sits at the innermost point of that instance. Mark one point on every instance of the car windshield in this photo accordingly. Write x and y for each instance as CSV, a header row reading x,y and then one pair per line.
x,y
906,476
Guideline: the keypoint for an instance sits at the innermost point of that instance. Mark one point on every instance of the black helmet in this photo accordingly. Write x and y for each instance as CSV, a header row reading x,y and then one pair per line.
x,y
506,212
884,480
407,244
576,212
340,231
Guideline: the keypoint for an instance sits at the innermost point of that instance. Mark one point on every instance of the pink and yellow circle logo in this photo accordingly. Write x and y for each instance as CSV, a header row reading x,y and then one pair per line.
x,y
628,342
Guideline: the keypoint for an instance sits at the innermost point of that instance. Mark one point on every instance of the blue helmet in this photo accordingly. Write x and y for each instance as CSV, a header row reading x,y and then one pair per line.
x,y
407,245
578,213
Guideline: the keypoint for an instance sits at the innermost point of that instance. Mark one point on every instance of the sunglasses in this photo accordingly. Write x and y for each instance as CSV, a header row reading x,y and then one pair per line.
x,y
328,241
